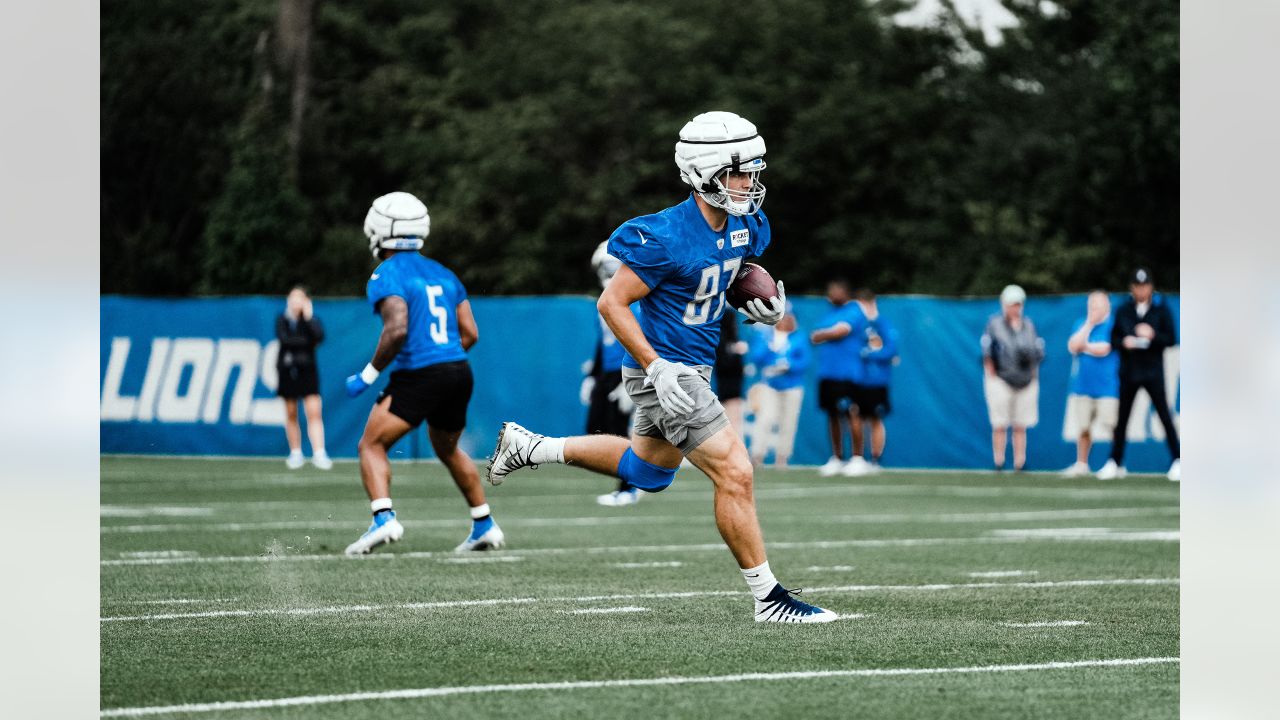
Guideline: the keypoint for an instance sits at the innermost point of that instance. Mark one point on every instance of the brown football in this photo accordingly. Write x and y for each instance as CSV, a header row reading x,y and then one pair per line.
x,y
752,282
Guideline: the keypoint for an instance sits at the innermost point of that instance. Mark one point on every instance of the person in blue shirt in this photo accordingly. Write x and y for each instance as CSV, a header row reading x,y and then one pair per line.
x,y
838,367
609,405
677,263
877,351
427,328
1093,402
781,355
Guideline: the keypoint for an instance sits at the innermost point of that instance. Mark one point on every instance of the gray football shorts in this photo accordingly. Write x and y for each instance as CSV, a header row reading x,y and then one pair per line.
x,y
685,432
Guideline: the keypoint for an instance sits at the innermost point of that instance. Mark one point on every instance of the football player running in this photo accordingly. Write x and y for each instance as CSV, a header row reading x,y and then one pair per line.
x,y
677,264
427,328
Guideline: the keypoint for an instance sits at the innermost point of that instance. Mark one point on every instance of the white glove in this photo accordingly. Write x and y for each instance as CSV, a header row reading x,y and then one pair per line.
x,y
664,376
768,313
584,391
620,396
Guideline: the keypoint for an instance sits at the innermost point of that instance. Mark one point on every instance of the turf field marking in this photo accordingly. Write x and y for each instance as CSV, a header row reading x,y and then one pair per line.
x,y
1002,573
655,564
1086,534
149,510
481,559
1046,623
142,554
685,594
1164,536
414,693
177,601
829,568
606,610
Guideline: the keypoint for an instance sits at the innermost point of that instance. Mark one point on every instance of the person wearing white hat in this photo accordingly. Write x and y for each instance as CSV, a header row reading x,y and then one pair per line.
x,y
1011,355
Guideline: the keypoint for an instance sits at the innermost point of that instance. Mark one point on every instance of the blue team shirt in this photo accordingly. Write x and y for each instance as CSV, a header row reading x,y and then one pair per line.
x,y
432,293
839,359
1096,376
687,267
876,366
611,351
795,352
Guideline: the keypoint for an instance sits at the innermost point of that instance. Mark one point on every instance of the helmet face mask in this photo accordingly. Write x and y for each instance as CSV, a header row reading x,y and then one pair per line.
x,y
715,144
396,221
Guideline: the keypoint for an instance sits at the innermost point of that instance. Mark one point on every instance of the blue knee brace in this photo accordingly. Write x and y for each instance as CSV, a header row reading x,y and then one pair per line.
x,y
646,476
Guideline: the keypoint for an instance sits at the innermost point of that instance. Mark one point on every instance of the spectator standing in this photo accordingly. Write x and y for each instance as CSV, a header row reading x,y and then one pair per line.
x,y
299,332
1011,355
838,365
1093,401
728,370
878,351
781,354
1142,329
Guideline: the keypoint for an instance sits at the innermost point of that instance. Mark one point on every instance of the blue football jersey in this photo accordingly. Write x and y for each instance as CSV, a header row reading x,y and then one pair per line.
x,y
687,267
432,293
840,359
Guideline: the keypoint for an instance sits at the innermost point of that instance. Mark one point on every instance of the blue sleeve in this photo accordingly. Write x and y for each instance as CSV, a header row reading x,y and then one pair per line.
x,y
798,356
637,248
890,337
761,234
381,286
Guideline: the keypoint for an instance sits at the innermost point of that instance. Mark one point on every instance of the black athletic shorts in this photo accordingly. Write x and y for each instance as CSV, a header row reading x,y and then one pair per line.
x,y
438,394
728,377
872,401
835,396
603,416
297,382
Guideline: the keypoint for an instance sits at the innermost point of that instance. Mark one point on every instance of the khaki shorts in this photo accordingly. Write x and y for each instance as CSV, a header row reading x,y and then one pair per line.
x,y
1097,415
685,432
1007,406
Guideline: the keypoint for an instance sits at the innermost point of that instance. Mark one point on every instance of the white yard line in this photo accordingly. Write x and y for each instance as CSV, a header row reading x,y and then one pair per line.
x,y
469,559
150,510
1087,534
1002,573
1046,623
830,568
177,601
606,610
1162,536
605,520
655,564
415,693
834,589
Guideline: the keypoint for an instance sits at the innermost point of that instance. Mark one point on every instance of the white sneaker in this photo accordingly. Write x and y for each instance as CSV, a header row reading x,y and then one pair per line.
x,y
1175,471
619,498
514,451
1077,469
780,607
388,532
856,467
321,461
832,467
1111,471
492,539
295,460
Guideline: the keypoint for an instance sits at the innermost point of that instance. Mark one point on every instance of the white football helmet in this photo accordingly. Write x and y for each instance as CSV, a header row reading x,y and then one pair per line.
x,y
396,221
605,265
713,144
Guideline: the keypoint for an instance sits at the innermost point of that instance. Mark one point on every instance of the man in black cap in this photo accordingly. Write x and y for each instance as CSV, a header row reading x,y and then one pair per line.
x,y
1143,328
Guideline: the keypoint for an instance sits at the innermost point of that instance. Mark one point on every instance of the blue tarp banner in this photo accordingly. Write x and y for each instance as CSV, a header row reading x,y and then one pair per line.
x,y
197,377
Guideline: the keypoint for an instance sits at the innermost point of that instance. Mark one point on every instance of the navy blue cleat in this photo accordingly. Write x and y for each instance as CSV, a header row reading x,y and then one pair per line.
x,y
780,607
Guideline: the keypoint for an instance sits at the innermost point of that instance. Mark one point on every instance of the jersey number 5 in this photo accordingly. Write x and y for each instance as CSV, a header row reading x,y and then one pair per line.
x,y
439,326
699,311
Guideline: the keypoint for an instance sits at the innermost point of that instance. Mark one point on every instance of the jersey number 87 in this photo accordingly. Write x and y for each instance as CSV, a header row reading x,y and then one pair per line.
x,y
699,311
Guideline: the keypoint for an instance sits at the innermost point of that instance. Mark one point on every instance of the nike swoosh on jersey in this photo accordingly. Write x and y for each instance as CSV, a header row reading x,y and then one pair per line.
x,y
642,240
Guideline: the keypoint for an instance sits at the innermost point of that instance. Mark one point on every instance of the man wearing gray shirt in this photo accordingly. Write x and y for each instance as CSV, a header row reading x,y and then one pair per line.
x,y
1011,355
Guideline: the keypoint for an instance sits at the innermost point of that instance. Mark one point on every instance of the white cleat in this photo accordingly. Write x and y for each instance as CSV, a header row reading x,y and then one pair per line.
x,y
514,451
1077,469
295,461
492,539
856,467
388,532
780,607
1175,471
833,467
619,498
322,461
1112,471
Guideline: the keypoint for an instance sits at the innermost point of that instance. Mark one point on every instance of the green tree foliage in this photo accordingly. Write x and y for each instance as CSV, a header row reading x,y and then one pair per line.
x,y
912,159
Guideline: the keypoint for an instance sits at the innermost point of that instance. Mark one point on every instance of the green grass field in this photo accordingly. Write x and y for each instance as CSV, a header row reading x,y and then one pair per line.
x,y
964,596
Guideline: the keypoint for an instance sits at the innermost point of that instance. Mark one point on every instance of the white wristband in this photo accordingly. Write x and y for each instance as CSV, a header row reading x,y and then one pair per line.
x,y
369,374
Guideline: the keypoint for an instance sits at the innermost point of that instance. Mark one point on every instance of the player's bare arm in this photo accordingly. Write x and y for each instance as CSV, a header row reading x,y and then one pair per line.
x,y
835,332
615,307
468,331
395,328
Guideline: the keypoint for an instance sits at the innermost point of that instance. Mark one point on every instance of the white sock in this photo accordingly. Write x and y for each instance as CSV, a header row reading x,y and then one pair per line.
x,y
479,511
548,450
760,579
380,504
